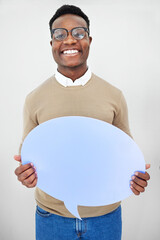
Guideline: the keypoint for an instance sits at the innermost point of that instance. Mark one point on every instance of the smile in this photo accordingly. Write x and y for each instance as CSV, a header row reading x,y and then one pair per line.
x,y
70,52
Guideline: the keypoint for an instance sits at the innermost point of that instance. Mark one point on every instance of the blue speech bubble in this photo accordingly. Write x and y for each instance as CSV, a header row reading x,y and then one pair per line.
x,y
82,161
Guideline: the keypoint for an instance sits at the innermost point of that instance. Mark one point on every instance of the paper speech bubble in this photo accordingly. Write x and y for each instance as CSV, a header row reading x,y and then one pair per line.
x,y
82,161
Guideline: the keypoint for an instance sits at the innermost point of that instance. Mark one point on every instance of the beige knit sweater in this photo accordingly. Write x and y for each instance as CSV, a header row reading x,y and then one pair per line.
x,y
96,99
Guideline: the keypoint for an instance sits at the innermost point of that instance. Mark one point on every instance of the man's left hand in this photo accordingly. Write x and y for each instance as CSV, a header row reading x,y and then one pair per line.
x,y
139,181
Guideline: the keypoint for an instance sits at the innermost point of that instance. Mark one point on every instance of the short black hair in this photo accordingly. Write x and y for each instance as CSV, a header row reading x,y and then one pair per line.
x,y
68,9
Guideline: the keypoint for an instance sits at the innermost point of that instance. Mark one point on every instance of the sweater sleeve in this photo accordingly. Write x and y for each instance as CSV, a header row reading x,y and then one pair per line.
x,y
121,116
29,121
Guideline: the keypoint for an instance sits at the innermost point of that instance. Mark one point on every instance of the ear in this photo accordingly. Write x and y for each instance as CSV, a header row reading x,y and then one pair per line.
x,y
90,40
51,42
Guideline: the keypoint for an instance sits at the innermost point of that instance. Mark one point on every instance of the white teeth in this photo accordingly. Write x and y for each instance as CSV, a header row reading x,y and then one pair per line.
x,y
70,51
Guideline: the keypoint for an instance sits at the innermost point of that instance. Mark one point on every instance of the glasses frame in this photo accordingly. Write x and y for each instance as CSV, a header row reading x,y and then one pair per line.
x,y
53,30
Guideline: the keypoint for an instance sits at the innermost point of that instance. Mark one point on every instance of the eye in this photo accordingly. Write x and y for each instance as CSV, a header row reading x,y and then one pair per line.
x,y
78,33
60,34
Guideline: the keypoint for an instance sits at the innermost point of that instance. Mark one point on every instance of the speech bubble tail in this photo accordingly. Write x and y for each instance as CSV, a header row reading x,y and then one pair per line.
x,y
73,209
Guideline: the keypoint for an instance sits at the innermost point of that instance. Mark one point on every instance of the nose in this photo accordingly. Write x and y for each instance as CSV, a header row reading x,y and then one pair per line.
x,y
70,39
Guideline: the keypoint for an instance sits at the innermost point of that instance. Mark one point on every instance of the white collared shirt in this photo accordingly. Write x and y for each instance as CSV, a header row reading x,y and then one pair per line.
x,y
66,82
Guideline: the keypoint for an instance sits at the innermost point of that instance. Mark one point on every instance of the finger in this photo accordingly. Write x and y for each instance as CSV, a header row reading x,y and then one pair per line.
x,y
23,168
17,158
148,166
137,187
29,181
134,190
139,181
144,176
34,183
26,174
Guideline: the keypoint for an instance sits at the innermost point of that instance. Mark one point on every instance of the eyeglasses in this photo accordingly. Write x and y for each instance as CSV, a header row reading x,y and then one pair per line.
x,y
61,34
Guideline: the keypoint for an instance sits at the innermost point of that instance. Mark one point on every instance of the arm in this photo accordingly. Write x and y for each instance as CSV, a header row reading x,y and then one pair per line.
x,y
139,180
26,174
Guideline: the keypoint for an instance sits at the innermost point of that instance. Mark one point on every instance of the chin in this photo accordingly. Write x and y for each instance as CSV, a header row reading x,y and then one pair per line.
x,y
72,65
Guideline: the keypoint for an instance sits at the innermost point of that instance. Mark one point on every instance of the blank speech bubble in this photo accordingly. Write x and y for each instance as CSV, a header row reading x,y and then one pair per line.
x,y
82,161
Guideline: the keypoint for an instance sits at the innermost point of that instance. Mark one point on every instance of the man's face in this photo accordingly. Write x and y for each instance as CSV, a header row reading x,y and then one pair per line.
x,y
69,59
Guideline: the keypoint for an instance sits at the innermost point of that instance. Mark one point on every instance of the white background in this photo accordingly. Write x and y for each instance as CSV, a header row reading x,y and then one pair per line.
x,y
125,51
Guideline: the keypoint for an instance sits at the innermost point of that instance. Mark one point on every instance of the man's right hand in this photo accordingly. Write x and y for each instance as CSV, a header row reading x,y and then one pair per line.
x,y
26,174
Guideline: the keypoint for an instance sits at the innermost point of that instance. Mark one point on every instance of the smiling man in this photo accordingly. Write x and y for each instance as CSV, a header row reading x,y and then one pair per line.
x,y
70,45
74,91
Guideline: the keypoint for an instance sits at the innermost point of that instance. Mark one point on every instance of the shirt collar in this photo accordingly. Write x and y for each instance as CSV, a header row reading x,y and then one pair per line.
x,y
66,82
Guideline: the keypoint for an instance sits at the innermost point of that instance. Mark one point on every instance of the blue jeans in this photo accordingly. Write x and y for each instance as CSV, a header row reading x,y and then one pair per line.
x,y
54,227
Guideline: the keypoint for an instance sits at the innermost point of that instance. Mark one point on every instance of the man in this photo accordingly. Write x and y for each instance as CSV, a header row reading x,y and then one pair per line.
x,y
74,91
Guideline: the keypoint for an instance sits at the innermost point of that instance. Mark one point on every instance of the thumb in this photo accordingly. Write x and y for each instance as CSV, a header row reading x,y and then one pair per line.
x,y
148,166
17,158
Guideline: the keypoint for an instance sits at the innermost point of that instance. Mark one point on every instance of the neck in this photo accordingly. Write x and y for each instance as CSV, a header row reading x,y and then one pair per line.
x,y
73,73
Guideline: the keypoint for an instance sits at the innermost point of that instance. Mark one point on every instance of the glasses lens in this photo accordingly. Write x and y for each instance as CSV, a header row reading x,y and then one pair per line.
x,y
60,34
78,33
